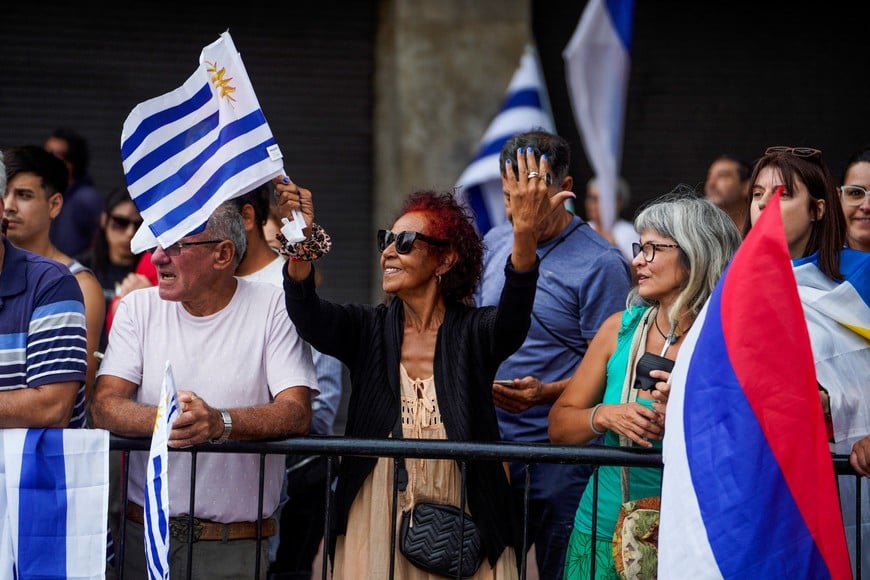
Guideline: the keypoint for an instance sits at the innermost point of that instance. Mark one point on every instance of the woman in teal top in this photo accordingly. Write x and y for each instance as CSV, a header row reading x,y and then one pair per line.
x,y
685,244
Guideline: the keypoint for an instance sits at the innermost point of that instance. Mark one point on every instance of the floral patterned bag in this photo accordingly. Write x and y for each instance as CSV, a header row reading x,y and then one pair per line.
x,y
635,537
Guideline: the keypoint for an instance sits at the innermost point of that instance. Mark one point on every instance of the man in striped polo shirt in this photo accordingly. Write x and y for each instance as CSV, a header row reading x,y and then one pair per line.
x,y
43,354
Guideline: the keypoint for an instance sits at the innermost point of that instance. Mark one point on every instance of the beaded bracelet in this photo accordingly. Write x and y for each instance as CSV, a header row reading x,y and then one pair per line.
x,y
313,248
592,420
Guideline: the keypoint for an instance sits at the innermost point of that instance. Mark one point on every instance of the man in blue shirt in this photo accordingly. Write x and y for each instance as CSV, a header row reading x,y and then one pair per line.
x,y
43,354
584,279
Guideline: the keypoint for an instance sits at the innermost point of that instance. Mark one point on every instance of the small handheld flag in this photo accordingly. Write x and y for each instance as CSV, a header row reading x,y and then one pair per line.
x,y
157,481
186,152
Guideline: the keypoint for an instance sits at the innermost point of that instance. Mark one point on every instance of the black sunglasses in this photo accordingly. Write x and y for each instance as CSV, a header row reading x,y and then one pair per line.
x,y
796,151
121,223
405,240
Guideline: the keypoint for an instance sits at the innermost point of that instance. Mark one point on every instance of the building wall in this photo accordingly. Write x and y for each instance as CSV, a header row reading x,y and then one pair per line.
x,y
312,68
371,100
713,77
442,70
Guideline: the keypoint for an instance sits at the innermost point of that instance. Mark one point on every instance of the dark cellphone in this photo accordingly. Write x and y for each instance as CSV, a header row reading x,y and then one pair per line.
x,y
650,362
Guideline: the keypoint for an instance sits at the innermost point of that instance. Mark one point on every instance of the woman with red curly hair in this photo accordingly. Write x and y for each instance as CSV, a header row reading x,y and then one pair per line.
x,y
423,362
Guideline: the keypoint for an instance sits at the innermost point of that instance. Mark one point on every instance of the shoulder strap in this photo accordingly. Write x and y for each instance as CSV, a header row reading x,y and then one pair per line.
x,y
400,461
629,394
570,347
623,480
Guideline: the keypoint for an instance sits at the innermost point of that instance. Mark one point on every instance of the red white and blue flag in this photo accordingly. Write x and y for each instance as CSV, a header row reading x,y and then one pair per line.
x,y
749,489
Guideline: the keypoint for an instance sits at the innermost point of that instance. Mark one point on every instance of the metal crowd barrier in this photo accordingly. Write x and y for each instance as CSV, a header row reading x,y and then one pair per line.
x,y
335,446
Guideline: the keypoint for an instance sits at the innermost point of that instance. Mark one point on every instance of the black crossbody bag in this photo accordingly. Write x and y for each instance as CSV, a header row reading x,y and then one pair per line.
x,y
439,538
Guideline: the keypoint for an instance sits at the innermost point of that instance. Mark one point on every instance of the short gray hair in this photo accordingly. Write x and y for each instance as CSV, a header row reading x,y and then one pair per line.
x,y
226,223
707,238
2,175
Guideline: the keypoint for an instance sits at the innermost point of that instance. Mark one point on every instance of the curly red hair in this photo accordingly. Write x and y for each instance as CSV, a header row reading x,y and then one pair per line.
x,y
448,220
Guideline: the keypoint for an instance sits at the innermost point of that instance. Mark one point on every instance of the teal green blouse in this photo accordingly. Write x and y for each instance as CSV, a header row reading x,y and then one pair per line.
x,y
643,481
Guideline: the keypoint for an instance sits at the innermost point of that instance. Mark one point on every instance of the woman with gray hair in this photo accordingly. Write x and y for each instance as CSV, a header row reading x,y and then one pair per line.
x,y
685,244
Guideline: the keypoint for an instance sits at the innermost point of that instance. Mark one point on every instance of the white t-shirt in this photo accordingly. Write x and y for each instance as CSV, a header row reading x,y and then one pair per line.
x,y
273,273
241,356
324,407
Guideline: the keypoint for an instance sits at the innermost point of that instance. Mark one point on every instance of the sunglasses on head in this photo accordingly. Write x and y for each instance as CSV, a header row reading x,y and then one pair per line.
x,y
121,223
405,240
796,151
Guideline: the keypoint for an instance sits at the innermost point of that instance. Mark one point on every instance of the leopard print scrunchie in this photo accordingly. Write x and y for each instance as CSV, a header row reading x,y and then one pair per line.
x,y
315,247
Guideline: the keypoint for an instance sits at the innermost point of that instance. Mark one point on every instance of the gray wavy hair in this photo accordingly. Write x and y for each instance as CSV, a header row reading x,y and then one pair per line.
x,y
226,223
707,238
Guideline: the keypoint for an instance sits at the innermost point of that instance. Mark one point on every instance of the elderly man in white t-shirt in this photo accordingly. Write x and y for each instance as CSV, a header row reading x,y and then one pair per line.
x,y
242,373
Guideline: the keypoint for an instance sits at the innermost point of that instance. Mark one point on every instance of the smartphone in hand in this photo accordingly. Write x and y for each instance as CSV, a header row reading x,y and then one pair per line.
x,y
504,382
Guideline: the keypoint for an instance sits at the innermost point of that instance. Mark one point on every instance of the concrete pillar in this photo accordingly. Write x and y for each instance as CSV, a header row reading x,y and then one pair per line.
x,y
442,68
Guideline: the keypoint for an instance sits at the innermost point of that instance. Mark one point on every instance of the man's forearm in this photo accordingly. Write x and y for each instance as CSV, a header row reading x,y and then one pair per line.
x,y
49,406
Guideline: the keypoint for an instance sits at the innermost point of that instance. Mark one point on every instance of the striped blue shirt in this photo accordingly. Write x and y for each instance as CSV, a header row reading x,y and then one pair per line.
x,y
42,326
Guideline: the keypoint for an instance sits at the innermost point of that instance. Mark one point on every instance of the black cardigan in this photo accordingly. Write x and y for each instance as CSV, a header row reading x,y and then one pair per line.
x,y
471,344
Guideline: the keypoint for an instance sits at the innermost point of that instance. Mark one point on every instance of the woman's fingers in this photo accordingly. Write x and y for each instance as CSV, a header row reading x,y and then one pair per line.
x,y
292,197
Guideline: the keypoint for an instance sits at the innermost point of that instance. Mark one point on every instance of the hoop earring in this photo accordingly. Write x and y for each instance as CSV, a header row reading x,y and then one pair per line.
x,y
438,278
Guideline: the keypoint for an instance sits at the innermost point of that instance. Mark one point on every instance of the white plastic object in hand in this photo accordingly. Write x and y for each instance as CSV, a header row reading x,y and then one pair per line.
x,y
292,230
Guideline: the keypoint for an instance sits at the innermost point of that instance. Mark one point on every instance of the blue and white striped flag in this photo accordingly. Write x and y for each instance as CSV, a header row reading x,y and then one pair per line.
x,y
526,106
838,319
157,481
597,65
54,503
186,152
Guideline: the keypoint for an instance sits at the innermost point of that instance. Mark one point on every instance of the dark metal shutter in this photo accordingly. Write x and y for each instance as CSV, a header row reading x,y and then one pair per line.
x,y
311,65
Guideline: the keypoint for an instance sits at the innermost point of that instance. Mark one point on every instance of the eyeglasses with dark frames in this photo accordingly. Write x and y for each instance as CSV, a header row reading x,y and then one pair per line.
x,y
796,151
649,249
176,248
405,240
853,194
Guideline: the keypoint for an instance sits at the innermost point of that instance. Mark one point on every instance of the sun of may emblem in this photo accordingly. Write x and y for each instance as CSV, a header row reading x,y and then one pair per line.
x,y
218,80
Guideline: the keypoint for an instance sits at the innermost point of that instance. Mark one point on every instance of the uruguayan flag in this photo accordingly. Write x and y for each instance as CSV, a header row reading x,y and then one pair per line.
x,y
838,319
597,66
526,106
186,152
156,490
54,502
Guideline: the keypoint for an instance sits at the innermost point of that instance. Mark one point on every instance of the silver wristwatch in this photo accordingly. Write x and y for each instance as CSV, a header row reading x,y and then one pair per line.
x,y
228,427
